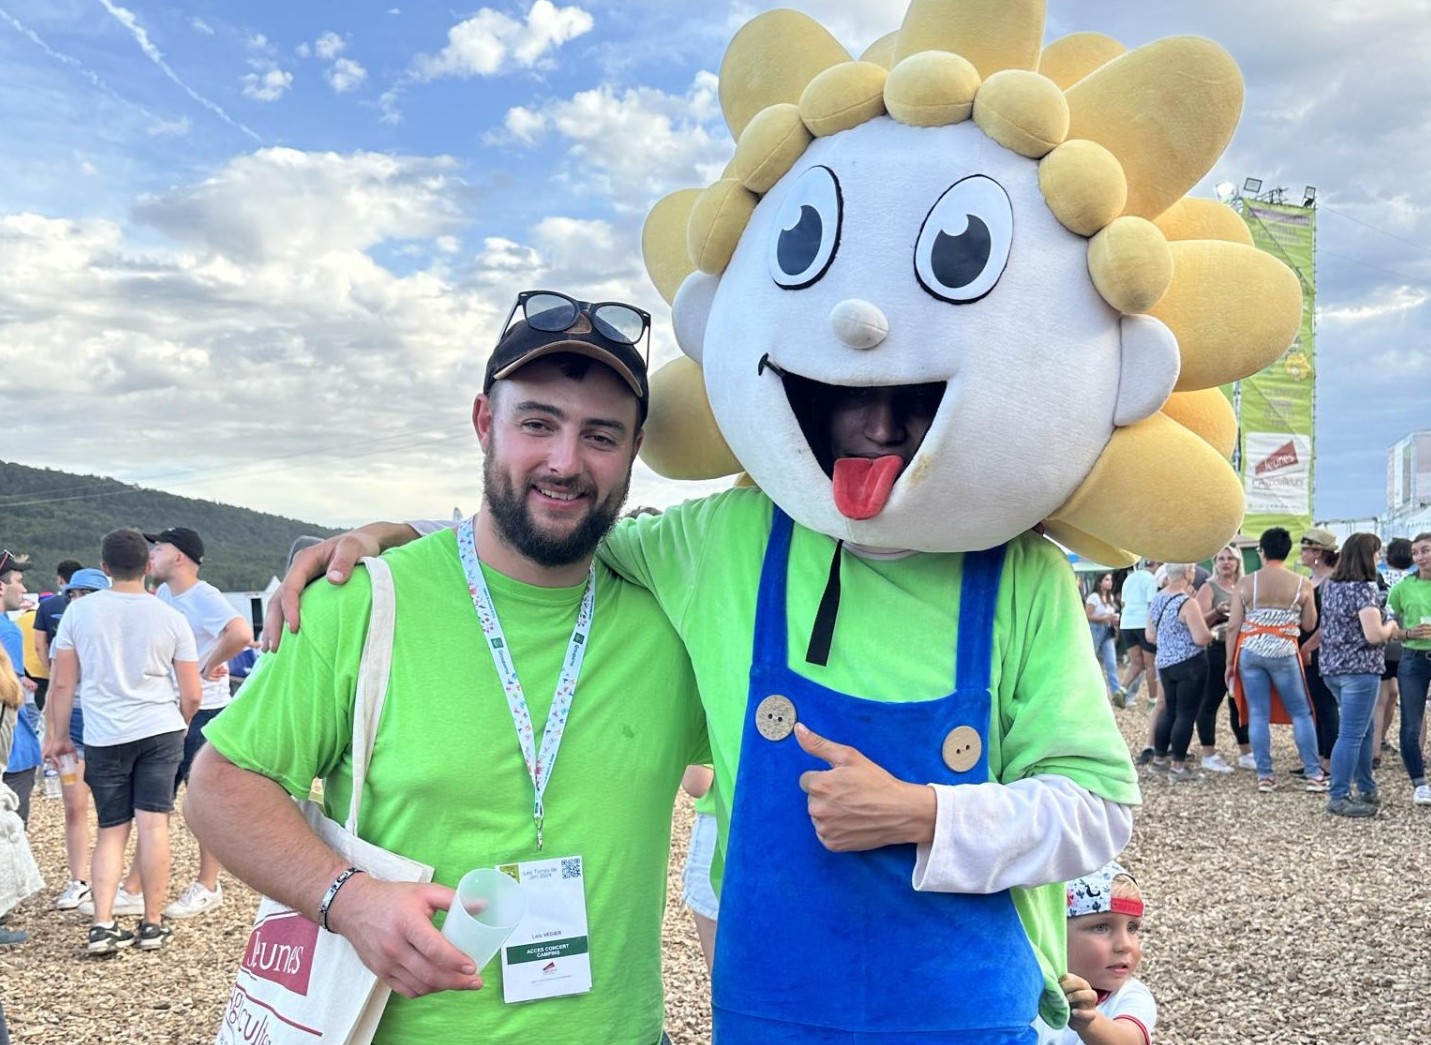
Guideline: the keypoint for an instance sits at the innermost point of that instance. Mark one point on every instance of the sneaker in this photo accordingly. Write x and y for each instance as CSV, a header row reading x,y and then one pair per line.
x,y
1184,775
1422,795
1119,698
1348,807
1373,799
1215,764
1320,785
125,902
152,936
10,937
75,894
1266,785
1144,757
1159,765
195,900
1247,762
106,939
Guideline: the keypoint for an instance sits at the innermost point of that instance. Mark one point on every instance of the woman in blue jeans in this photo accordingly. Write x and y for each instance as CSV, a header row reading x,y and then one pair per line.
x,y
1271,605
1354,637
1102,610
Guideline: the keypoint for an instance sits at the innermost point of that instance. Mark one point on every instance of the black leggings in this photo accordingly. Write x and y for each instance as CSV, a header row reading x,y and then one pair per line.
x,y
1329,714
1183,685
1213,692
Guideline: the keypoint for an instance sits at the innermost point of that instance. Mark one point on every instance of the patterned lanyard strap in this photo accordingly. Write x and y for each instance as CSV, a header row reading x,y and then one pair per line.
x,y
539,765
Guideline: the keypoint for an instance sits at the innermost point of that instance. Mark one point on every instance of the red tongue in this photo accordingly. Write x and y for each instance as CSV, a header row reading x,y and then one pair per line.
x,y
862,485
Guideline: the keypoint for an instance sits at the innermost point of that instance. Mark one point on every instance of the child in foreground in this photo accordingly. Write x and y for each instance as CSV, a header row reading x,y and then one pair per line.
x,y
1110,1007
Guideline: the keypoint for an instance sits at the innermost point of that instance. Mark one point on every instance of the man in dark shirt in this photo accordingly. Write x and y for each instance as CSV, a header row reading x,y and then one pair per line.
x,y
47,622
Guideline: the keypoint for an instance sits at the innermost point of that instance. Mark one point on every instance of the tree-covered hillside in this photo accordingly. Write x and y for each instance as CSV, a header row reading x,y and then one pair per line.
x,y
50,515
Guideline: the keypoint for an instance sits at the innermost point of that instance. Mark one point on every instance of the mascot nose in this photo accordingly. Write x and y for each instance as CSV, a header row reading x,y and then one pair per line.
x,y
859,324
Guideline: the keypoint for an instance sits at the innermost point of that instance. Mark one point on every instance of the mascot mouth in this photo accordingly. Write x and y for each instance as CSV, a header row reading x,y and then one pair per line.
x,y
862,469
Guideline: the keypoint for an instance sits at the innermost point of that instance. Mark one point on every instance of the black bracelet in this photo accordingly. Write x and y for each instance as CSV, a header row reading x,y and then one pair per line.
x,y
332,892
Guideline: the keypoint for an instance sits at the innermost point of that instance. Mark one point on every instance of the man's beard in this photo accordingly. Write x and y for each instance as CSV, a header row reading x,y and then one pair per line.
x,y
513,519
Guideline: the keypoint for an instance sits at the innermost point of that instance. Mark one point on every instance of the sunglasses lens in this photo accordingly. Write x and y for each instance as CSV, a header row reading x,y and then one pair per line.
x,y
619,323
549,312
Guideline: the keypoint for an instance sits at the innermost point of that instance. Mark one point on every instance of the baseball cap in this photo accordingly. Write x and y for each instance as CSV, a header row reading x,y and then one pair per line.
x,y
12,563
183,538
523,343
87,579
1319,538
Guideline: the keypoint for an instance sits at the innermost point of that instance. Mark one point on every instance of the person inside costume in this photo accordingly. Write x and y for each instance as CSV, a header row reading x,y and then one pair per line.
x,y
948,301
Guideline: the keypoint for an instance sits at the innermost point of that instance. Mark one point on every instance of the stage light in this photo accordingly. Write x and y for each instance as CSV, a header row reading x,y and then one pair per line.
x,y
1225,191
1252,186
1309,196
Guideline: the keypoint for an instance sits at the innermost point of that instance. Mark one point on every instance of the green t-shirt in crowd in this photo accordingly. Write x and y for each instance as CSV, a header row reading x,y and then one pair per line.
x,y
895,640
448,785
1410,600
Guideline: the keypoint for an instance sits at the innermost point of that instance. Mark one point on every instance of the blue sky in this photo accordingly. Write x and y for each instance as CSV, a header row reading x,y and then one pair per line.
x,y
257,252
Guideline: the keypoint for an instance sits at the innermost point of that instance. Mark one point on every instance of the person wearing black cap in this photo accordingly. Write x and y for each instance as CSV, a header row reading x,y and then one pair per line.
x,y
220,631
559,423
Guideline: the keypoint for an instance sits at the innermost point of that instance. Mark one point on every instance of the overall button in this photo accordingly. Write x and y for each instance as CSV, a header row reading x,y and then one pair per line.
x,y
962,748
775,717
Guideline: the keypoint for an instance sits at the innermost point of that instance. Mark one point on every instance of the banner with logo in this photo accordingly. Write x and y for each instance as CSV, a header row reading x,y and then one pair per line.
x,y
1277,440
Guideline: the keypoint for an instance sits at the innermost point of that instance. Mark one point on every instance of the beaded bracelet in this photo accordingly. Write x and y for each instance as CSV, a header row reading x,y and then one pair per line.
x,y
332,892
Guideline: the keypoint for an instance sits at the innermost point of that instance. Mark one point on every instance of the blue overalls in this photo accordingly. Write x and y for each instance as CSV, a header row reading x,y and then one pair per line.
x,y
838,948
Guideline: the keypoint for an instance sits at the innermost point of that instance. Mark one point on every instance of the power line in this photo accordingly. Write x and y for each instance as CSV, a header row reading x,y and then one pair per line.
x,y
1374,228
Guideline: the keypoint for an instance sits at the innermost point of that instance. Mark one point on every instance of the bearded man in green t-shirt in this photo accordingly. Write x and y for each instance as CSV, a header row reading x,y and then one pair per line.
x,y
449,785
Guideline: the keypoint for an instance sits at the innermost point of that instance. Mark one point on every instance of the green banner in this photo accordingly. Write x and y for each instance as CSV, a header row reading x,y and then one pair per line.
x,y
548,950
1276,407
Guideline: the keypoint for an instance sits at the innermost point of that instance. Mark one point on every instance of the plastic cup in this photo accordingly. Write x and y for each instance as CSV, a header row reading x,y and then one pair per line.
x,y
1425,621
486,909
69,771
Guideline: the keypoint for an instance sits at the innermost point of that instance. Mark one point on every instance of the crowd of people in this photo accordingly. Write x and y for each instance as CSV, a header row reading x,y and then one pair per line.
x,y
1334,649
120,667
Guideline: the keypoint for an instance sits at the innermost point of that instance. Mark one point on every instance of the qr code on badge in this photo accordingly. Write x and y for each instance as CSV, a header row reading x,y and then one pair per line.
x,y
570,867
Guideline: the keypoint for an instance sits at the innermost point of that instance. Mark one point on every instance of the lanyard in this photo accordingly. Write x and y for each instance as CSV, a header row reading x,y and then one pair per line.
x,y
539,765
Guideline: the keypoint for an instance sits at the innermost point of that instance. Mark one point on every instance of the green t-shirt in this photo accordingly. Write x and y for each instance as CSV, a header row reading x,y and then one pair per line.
x,y
703,561
448,785
1410,600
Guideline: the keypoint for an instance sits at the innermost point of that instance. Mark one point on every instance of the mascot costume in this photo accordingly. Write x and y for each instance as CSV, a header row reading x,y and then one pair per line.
x,y
996,232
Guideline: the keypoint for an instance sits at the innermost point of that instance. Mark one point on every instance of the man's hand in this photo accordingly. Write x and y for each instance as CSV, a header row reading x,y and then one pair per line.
x,y
57,743
855,805
28,684
390,925
336,556
1082,1000
218,672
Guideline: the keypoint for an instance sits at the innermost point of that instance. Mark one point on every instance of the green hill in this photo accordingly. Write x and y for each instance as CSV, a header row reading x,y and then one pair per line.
x,y
50,515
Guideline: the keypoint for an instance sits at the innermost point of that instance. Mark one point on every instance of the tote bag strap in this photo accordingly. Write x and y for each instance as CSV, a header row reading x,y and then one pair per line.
x,y
373,675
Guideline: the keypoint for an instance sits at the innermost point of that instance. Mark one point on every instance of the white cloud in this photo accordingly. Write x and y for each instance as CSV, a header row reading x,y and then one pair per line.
x,y
201,26
267,86
345,75
491,42
329,45
303,50
635,144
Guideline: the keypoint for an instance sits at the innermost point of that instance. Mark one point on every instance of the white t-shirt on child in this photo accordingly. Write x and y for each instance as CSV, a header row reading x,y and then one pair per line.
x,y
1132,1002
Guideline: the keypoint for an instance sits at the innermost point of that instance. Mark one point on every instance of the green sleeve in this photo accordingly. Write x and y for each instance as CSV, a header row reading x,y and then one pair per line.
x,y
1056,716
1395,600
665,553
294,719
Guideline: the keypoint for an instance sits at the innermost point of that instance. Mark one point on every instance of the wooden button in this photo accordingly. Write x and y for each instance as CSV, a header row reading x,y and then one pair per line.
x,y
775,717
962,748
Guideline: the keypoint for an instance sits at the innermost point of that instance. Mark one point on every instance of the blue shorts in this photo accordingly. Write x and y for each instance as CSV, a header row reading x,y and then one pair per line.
x,y
696,891
77,732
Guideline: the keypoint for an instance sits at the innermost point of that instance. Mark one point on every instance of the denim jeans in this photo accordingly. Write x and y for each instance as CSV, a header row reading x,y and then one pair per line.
x,y
1413,676
1258,673
1107,652
1351,757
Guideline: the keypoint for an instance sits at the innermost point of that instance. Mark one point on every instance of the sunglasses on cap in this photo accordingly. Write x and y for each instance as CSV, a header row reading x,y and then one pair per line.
x,y
553,313
8,562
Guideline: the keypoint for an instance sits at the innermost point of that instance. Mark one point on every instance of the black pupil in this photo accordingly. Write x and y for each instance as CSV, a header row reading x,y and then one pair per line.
x,y
799,245
958,260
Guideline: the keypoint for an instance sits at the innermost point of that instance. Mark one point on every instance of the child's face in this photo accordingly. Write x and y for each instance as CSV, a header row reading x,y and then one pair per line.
x,y
1104,949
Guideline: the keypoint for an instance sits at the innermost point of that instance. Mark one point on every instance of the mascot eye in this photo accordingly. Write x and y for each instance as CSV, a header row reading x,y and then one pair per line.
x,y
964,244
808,231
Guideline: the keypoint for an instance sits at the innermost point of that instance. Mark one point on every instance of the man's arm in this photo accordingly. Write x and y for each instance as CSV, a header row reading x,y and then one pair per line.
x,y
42,644
336,557
252,825
191,688
64,679
237,634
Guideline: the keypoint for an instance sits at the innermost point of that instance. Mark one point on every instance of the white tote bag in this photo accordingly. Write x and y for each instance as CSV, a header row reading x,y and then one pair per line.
x,y
299,985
